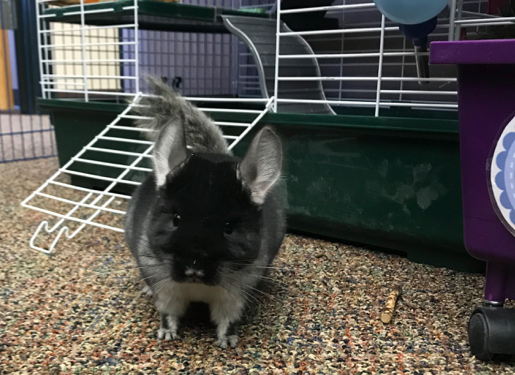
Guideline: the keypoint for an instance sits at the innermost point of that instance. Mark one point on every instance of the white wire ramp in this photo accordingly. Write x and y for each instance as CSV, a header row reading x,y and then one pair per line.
x,y
115,162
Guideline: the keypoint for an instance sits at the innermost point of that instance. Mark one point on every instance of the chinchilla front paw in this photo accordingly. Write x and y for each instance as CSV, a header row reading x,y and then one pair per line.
x,y
167,334
168,329
226,341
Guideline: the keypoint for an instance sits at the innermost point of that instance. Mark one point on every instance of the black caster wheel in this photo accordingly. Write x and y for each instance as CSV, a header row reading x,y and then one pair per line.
x,y
491,331
478,337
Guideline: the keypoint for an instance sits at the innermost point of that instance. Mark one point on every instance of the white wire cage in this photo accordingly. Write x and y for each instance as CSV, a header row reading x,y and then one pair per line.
x,y
86,56
366,62
363,60
25,134
360,59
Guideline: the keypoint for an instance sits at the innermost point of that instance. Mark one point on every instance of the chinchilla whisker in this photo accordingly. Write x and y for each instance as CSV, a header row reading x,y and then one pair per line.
x,y
259,291
278,268
246,294
260,277
252,288
266,278
255,266
144,267
151,256
263,277
249,296
249,264
156,265
158,286
275,281
149,277
131,269
130,284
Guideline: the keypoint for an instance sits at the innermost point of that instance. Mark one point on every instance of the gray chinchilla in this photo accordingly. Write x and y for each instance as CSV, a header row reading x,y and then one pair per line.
x,y
205,226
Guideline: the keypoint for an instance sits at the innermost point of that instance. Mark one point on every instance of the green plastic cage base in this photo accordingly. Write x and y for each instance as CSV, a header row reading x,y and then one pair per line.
x,y
388,182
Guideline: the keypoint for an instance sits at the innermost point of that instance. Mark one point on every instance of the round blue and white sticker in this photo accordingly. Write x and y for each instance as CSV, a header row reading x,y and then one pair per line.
x,y
502,176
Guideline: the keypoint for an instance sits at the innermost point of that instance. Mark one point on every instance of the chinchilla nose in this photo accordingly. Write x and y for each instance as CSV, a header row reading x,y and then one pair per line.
x,y
194,270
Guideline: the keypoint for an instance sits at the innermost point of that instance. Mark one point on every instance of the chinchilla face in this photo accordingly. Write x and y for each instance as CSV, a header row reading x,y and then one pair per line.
x,y
207,217
204,223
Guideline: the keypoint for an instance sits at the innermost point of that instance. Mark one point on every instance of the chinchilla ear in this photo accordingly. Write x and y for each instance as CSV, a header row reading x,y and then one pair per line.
x,y
169,150
261,167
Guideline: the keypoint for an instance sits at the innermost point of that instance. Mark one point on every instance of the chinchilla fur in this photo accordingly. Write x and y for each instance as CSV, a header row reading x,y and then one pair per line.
x,y
201,134
205,226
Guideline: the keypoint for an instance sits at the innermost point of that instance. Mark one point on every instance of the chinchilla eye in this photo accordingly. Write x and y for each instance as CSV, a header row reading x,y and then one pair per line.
x,y
176,220
228,228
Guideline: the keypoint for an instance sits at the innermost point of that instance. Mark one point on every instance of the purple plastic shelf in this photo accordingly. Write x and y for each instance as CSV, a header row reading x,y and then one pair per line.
x,y
486,104
473,52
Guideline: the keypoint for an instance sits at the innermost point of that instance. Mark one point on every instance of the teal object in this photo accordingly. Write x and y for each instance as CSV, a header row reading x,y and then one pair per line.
x,y
410,12
416,19
391,182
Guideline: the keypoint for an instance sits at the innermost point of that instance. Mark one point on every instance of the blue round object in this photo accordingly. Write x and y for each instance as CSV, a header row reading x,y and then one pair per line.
x,y
502,176
410,12
418,33
505,178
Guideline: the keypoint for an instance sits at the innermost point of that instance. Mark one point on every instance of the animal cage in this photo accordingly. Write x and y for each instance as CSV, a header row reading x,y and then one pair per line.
x,y
371,145
25,134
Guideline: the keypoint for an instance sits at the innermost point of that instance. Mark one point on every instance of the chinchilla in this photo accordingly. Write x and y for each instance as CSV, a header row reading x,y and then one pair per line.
x,y
205,226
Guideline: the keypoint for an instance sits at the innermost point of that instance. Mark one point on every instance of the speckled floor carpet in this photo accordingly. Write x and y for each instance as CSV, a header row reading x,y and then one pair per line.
x,y
81,311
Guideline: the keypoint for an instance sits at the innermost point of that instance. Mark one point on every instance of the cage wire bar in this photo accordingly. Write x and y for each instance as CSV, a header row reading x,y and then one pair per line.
x,y
364,63
473,14
376,66
109,62
367,62
247,79
25,134
86,62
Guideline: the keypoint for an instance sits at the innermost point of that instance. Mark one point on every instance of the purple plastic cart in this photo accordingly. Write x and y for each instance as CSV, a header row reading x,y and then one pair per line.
x,y
486,105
